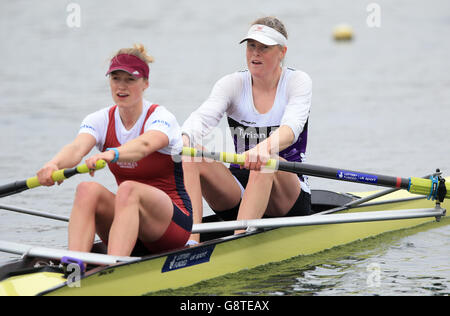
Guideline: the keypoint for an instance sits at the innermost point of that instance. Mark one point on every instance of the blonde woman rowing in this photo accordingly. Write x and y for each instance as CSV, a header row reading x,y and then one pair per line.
x,y
267,107
137,139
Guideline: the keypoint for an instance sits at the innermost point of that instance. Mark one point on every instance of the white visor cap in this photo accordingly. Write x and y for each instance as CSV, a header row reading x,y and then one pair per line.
x,y
265,35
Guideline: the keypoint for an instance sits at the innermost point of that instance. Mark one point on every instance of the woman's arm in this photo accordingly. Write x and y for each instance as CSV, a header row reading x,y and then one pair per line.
x,y
134,150
208,115
69,156
297,110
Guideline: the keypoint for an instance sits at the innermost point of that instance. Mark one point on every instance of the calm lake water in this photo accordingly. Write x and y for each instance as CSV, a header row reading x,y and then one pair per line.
x,y
380,104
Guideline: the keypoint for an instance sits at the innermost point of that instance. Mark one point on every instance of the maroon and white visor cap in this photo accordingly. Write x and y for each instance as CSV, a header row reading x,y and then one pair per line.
x,y
265,35
131,64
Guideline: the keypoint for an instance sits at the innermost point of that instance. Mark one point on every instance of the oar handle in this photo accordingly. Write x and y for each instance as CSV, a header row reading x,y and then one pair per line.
x,y
60,175
238,159
64,174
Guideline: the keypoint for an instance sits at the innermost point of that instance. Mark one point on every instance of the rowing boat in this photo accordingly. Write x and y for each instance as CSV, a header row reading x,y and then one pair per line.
x,y
339,219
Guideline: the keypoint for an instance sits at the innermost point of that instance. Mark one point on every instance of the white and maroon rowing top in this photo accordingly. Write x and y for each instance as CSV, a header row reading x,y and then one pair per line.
x,y
161,120
157,169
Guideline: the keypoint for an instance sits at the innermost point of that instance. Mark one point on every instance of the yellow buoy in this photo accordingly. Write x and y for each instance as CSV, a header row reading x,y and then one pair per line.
x,y
343,32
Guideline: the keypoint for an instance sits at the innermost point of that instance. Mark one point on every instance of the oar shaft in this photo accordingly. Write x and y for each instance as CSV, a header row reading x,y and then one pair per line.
x,y
319,220
33,182
34,213
344,175
307,169
58,254
13,188
414,185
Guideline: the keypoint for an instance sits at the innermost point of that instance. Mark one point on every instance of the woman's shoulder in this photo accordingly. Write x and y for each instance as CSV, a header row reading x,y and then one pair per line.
x,y
234,78
232,84
298,74
297,81
99,115
160,110
161,115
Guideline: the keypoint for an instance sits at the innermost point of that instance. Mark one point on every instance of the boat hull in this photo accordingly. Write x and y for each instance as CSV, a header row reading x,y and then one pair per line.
x,y
221,256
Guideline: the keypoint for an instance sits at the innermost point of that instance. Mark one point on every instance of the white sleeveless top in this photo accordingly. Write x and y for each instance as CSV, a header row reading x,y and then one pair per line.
x,y
232,95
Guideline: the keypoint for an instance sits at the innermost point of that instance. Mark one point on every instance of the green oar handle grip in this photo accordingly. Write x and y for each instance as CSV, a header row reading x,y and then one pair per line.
x,y
238,159
64,174
100,164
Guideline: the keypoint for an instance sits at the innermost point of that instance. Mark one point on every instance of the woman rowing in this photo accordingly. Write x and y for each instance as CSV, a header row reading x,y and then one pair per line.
x,y
267,107
137,139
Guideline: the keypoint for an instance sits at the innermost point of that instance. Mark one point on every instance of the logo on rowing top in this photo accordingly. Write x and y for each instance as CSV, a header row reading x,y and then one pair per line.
x,y
127,165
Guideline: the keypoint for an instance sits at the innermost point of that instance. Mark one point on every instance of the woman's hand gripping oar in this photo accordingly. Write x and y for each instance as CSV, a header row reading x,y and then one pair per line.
x,y
57,176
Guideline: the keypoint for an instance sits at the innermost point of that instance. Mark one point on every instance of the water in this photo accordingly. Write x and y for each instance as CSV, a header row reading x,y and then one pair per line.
x,y
380,103
408,262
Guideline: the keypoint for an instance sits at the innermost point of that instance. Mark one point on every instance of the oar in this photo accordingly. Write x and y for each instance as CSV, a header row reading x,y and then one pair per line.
x,y
358,217
58,254
433,188
33,213
357,202
60,175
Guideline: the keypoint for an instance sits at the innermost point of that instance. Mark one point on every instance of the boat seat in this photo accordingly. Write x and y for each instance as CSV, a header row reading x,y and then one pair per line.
x,y
323,200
